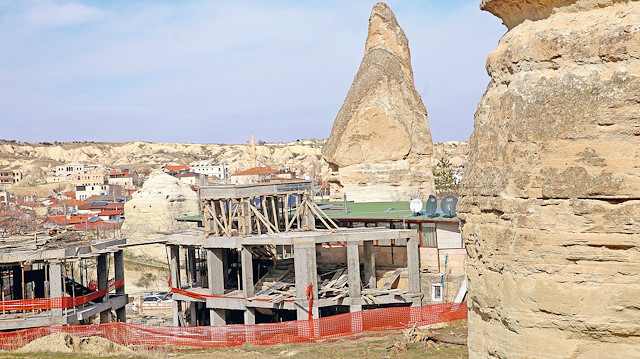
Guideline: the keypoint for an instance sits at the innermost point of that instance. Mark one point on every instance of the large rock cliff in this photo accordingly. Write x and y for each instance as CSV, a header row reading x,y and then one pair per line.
x,y
551,206
380,146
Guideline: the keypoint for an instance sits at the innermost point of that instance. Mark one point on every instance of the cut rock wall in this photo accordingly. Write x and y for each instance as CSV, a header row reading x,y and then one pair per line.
x,y
551,206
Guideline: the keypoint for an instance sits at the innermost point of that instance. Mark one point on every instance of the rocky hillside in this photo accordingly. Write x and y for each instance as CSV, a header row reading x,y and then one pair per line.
x,y
300,156
303,157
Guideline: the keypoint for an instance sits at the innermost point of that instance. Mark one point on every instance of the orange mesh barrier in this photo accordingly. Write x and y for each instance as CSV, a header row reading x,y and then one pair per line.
x,y
58,302
261,334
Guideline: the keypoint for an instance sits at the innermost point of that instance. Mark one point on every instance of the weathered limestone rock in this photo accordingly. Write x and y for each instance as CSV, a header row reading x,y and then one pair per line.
x,y
154,207
380,146
551,206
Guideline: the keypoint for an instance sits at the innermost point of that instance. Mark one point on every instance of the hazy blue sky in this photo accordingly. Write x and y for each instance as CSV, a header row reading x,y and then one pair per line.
x,y
217,71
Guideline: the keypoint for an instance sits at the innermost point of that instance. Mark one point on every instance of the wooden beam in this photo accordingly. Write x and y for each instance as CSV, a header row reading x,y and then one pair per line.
x,y
213,211
274,210
266,222
317,212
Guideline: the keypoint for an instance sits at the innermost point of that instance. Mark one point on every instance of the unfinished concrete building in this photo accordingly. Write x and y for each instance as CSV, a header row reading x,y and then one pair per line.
x,y
48,281
258,258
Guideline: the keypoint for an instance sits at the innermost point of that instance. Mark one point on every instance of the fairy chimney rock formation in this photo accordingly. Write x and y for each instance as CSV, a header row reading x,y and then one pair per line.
x,y
380,146
551,193
153,209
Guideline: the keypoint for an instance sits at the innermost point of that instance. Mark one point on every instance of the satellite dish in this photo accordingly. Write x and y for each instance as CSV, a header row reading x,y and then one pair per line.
x,y
448,205
432,205
416,206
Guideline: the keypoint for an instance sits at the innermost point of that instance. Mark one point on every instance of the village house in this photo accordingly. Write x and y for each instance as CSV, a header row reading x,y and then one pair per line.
x,y
84,192
90,177
220,171
9,177
126,178
260,174
192,179
172,170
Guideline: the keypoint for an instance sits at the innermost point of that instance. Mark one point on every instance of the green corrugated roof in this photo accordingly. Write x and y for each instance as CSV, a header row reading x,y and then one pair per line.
x,y
374,210
364,210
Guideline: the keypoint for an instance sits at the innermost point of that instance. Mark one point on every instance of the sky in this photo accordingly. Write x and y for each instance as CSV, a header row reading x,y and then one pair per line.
x,y
218,71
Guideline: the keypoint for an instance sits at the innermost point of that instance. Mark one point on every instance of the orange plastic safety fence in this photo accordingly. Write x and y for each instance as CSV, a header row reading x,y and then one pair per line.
x,y
261,334
57,302
200,296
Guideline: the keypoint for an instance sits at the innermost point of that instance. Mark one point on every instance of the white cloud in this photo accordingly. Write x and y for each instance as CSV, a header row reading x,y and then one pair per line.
x,y
50,13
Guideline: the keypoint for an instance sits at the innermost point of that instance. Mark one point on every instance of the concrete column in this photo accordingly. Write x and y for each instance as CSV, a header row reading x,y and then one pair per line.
x,y
17,282
118,260
175,281
191,254
369,265
249,316
308,218
55,286
353,268
413,264
306,272
103,283
193,311
215,270
246,260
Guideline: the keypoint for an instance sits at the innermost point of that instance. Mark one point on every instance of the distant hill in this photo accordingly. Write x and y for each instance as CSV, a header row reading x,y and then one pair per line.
x,y
303,157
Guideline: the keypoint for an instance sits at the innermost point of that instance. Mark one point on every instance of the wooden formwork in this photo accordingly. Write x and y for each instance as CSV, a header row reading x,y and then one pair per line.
x,y
239,211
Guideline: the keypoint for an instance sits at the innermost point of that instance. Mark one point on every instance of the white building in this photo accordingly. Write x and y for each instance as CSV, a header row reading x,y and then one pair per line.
x,y
212,170
70,168
84,192
192,178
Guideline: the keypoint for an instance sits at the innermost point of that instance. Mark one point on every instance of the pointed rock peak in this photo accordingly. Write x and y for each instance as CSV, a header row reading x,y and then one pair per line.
x,y
380,145
386,33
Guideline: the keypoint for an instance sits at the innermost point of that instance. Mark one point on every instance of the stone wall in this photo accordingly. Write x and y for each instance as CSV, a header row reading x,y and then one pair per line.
x,y
551,203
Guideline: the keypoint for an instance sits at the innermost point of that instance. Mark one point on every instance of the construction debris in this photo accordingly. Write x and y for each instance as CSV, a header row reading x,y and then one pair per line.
x,y
426,338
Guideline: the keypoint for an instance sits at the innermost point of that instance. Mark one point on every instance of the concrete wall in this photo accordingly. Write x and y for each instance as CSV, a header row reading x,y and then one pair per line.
x,y
448,234
428,257
338,254
452,285
455,264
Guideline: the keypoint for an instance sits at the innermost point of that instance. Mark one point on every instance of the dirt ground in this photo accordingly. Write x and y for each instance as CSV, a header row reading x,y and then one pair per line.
x,y
366,345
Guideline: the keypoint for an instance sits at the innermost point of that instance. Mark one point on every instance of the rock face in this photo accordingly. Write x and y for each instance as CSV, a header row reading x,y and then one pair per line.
x,y
154,207
551,206
380,146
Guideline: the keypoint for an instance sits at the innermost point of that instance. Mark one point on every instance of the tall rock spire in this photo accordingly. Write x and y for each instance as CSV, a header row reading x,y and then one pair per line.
x,y
380,146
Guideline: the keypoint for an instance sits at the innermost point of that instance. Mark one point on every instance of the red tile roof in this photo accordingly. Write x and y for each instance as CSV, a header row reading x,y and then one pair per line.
x,y
111,212
257,171
74,202
176,168
81,218
115,205
124,174
99,224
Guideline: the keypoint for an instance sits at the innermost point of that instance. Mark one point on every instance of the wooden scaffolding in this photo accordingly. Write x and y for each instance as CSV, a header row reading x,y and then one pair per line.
x,y
274,207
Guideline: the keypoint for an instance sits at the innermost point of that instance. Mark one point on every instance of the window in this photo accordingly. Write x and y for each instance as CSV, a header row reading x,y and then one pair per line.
x,y
436,292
